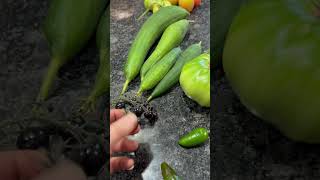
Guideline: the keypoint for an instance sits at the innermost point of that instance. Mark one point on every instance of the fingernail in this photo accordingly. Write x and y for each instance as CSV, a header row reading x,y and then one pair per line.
x,y
131,168
136,130
131,162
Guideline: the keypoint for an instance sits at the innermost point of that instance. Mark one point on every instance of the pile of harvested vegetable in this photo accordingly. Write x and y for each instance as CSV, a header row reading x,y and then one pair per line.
x,y
161,68
164,67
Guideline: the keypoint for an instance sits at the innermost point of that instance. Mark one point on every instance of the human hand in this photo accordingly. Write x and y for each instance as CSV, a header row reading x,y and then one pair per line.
x,y
22,165
121,126
35,165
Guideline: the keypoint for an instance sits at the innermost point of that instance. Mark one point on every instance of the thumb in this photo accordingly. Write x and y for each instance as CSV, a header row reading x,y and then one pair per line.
x,y
64,170
123,127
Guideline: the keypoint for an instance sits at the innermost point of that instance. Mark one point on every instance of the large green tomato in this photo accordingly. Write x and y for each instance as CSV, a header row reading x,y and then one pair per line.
x,y
195,79
224,12
272,60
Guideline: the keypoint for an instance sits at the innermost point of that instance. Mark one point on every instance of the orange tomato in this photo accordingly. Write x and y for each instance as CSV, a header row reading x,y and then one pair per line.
x,y
197,3
187,4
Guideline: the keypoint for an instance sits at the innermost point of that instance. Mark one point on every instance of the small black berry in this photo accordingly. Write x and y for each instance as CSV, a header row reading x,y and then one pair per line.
x,y
149,115
33,138
138,111
93,157
155,115
120,105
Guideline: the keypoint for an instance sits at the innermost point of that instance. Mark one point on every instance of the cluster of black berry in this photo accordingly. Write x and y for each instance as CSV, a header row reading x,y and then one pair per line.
x,y
146,110
90,156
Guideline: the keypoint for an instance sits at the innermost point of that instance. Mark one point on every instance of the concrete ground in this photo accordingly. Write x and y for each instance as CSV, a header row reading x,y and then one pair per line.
x,y
246,147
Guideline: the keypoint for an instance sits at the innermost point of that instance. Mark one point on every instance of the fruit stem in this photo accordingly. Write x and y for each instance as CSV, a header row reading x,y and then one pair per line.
x,y
48,80
139,93
143,14
125,87
148,100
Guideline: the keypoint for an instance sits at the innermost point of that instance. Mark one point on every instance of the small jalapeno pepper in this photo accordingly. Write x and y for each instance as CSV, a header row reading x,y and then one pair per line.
x,y
194,138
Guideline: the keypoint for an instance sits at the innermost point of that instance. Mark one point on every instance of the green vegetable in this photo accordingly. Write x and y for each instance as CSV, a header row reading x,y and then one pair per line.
x,y
151,30
271,59
224,12
68,27
194,138
173,75
159,70
171,38
195,79
101,85
168,173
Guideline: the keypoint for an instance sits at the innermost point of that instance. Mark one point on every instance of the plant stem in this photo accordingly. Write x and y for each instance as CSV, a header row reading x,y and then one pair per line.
x,y
148,100
125,87
49,79
143,14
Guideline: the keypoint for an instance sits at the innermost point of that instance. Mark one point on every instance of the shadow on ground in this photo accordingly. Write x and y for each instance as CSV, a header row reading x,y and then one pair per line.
x,y
245,147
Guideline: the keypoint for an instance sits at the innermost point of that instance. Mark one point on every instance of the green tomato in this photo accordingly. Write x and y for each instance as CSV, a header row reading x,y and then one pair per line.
x,y
195,79
224,12
272,60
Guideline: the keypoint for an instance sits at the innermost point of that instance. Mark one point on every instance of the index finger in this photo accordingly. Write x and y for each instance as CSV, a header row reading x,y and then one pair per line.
x,y
116,114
